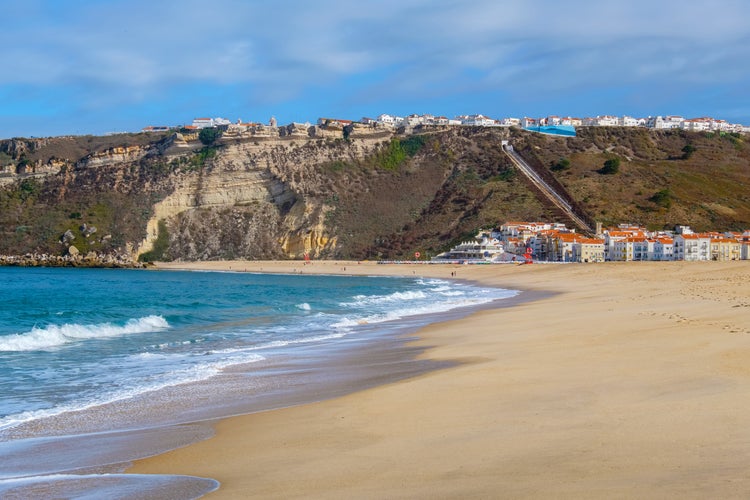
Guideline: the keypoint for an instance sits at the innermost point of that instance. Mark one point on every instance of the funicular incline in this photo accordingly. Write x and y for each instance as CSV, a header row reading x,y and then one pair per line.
x,y
547,190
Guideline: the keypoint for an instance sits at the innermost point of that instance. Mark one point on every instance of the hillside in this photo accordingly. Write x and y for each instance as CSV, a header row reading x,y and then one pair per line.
x,y
374,195
708,188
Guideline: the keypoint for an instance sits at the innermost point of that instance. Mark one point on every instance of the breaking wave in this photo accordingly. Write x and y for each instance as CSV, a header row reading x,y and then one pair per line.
x,y
52,336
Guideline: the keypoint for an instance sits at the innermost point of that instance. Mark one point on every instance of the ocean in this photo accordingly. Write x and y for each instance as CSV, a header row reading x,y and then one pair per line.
x,y
105,360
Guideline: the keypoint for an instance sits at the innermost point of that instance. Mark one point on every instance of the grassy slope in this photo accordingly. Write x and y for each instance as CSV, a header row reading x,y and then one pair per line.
x,y
708,190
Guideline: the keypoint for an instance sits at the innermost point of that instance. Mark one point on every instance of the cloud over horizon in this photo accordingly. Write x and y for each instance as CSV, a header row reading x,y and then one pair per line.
x,y
91,67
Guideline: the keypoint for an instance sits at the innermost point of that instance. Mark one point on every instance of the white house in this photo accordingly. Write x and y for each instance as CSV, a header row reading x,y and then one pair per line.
x,y
697,124
628,121
387,120
203,122
663,248
664,122
569,120
745,249
614,235
692,247
622,249
605,121
478,121
414,120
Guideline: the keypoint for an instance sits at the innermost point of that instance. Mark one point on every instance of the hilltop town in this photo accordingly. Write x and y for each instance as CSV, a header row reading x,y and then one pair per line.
x,y
669,122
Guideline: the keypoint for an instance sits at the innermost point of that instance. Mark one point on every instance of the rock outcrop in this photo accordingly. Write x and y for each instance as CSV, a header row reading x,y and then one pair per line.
x,y
73,259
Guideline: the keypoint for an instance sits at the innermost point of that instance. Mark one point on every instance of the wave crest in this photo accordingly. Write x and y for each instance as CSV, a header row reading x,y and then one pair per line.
x,y
56,335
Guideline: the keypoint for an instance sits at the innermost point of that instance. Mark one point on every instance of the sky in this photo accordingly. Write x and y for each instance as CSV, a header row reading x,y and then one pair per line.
x,y
93,67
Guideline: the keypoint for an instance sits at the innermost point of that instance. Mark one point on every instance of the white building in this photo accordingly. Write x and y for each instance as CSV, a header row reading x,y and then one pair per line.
x,y
692,247
569,120
666,122
745,249
414,120
210,122
602,121
510,122
697,124
477,121
482,248
663,248
387,120
203,122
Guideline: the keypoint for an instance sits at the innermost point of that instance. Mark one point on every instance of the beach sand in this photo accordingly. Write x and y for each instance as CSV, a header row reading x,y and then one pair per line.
x,y
632,381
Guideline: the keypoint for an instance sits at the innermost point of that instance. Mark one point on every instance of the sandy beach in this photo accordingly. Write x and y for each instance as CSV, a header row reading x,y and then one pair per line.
x,y
632,380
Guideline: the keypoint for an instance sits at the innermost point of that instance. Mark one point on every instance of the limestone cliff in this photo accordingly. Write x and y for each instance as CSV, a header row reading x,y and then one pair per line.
x,y
253,191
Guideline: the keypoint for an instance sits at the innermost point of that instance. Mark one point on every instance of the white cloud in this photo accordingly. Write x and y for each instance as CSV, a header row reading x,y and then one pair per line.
x,y
143,43
131,51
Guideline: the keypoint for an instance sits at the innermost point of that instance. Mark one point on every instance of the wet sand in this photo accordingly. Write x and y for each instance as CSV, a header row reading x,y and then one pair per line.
x,y
632,382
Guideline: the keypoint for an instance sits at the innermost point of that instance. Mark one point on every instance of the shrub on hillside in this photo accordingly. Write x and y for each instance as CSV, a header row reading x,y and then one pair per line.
x,y
611,167
662,198
562,164
209,135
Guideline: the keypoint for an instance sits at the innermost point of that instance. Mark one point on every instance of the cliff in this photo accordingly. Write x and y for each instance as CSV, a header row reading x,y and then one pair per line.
x,y
297,190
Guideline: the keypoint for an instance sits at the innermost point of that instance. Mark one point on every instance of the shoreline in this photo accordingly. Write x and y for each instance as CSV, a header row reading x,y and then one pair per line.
x,y
630,380
167,419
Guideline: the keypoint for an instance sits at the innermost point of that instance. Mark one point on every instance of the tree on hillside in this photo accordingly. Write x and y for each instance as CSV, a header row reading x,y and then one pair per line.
x,y
562,164
611,166
662,198
209,135
688,151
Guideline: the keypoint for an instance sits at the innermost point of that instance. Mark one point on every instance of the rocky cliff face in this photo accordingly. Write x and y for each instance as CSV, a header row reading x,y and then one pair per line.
x,y
253,199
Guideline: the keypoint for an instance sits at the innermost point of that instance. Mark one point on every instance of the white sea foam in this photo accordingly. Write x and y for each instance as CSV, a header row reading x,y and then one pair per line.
x,y
57,335
304,306
412,310
138,386
370,300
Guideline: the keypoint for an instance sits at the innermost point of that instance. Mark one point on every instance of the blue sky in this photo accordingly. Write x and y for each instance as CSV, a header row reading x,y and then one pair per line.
x,y
92,67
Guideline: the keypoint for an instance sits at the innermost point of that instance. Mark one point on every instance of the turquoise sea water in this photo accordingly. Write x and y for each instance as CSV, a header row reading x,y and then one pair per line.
x,y
82,349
